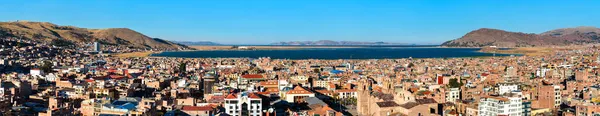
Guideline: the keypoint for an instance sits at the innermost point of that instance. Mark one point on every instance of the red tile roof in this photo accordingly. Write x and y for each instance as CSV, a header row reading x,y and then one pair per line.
x,y
263,83
116,76
197,108
231,96
252,76
252,95
346,90
299,90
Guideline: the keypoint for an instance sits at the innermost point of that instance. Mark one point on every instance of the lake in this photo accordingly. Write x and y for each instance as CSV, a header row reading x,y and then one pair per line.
x,y
335,53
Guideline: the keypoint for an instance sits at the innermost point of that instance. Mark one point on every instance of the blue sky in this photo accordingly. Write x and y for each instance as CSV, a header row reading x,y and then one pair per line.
x,y
263,22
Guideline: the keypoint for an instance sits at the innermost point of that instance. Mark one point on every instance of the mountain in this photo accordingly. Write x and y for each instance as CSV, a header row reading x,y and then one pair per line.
x,y
190,43
120,37
494,37
330,42
579,33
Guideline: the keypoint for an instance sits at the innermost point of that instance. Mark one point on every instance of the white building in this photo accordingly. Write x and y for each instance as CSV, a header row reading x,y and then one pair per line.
x,y
50,77
36,72
244,104
541,72
347,93
507,88
557,96
96,46
3,62
501,105
1,89
452,94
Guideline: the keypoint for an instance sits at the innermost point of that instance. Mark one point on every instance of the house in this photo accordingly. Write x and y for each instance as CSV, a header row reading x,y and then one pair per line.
x,y
298,94
243,104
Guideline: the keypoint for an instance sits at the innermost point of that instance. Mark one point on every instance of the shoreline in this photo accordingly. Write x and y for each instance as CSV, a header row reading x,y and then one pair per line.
x,y
211,48
518,51
230,47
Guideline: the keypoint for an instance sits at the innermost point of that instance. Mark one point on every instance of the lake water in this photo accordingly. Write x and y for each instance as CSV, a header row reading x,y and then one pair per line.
x,y
336,53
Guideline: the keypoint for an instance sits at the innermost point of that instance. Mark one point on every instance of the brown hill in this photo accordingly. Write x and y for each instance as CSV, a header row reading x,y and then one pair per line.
x,y
122,37
494,37
582,34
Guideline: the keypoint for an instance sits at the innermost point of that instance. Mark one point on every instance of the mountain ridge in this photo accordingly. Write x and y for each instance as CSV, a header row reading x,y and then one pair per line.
x,y
501,38
119,37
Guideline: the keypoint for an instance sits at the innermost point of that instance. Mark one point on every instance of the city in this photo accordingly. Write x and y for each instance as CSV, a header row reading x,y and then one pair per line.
x,y
39,79
299,58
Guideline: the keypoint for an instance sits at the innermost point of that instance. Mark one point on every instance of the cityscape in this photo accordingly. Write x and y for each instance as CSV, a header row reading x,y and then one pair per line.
x,y
48,69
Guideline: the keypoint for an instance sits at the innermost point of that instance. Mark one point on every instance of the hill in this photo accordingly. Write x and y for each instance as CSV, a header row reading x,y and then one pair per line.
x,y
494,37
119,37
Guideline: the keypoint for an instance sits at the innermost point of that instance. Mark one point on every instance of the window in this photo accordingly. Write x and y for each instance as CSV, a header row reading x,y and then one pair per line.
x,y
255,102
431,110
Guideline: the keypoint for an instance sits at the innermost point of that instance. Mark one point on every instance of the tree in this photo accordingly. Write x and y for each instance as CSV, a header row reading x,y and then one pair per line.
x,y
454,83
62,43
316,70
182,67
46,66
353,100
410,65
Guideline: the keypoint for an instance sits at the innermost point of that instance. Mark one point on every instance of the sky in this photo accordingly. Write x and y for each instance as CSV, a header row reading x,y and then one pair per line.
x,y
268,21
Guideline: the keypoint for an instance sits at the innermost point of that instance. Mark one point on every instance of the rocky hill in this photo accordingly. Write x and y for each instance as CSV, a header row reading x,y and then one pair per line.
x,y
46,32
494,37
330,42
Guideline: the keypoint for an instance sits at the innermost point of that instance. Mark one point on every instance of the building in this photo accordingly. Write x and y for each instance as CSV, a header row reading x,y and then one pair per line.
x,y
418,107
96,46
298,94
548,96
197,110
527,108
501,105
587,110
346,93
452,95
320,108
123,106
243,104
511,71
472,111
507,88
36,72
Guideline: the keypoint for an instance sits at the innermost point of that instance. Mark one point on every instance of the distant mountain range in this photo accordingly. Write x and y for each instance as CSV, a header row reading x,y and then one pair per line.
x,y
330,42
124,37
500,38
190,43
47,32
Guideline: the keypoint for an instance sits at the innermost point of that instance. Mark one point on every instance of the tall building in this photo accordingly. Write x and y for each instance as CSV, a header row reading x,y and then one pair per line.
x,y
507,88
501,105
548,96
452,94
96,46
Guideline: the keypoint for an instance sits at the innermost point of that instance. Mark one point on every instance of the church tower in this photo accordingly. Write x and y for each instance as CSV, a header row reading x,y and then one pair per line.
x,y
364,96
